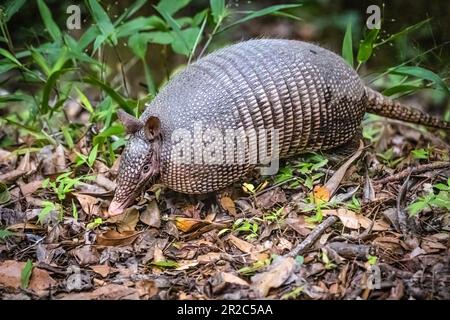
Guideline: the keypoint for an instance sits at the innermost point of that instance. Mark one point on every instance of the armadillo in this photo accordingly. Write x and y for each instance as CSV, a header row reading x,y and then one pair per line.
x,y
308,95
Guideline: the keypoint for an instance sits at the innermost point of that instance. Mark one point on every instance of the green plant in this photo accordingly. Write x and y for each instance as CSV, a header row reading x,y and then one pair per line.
x,y
254,267
420,154
304,172
430,200
5,234
355,204
64,184
97,222
26,274
388,158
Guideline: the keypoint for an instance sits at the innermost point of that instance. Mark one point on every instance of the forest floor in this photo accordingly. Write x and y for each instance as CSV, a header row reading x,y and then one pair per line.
x,y
374,225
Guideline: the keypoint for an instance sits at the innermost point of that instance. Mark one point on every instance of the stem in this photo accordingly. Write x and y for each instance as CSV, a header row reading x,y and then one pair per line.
x,y
214,32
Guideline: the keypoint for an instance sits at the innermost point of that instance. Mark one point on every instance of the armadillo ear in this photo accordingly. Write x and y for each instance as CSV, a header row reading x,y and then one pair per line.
x,y
130,123
152,127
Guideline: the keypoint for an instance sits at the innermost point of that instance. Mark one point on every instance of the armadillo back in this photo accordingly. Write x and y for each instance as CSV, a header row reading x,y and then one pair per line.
x,y
308,94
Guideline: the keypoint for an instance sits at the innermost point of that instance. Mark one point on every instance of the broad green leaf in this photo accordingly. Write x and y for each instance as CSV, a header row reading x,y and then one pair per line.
x,y
165,264
175,27
5,233
10,57
49,86
366,46
185,45
347,45
39,59
111,92
49,23
217,9
88,36
92,155
26,274
39,134
172,6
5,196
421,73
67,136
138,25
129,11
11,7
85,101
139,42
260,13
103,21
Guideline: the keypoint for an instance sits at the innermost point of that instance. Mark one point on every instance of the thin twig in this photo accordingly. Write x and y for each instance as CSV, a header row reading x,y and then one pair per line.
x,y
312,237
414,170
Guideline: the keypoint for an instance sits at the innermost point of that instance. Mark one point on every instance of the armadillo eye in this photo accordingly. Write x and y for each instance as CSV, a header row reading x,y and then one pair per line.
x,y
146,168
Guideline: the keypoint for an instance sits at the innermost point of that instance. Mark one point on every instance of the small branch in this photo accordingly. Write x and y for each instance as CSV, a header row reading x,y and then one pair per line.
x,y
414,170
312,237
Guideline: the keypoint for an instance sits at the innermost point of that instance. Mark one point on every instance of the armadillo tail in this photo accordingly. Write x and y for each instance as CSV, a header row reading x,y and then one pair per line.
x,y
386,107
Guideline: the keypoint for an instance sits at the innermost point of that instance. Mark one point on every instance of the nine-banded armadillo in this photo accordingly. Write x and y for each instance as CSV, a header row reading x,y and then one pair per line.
x,y
308,95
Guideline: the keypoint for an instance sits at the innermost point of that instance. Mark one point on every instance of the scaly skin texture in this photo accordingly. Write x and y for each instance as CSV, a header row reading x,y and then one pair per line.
x,y
310,95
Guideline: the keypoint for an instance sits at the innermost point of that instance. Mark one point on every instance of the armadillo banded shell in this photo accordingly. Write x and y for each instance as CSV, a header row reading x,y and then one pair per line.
x,y
314,99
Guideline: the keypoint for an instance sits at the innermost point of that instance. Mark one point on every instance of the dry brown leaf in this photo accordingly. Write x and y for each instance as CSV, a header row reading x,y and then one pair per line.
x,y
12,176
151,215
126,221
333,183
355,221
86,254
299,225
233,279
228,204
210,257
242,245
89,204
10,277
188,224
102,269
115,238
271,197
147,289
278,272
59,159
108,292
321,193
30,187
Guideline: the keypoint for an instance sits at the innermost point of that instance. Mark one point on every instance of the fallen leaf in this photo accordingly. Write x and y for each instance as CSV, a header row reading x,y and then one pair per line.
x,y
102,269
270,198
89,204
277,273
126,221
228,204
108,292
59,159
188,224
151,215
86,254
147,289
30,187
321,193
333,183
242,245
299,225
10,276
115,238
355,221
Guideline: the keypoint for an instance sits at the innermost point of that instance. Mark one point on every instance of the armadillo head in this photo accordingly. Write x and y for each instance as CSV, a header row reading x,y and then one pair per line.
x,y
140,160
